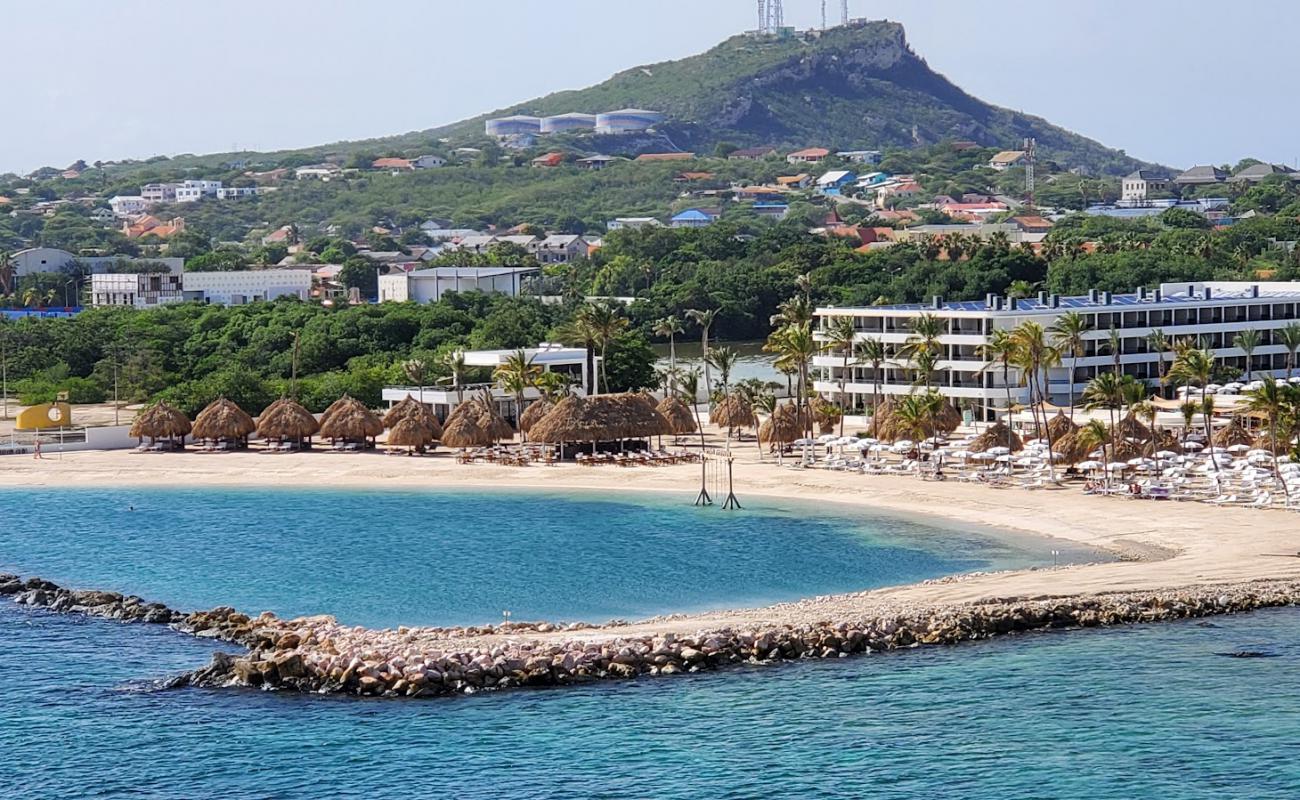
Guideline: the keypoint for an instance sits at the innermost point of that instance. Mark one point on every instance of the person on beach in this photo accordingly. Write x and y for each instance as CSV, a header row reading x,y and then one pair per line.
x,y
36,453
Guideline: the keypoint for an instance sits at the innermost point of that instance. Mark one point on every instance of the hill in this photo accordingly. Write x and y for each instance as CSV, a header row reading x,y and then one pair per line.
x,y
859,86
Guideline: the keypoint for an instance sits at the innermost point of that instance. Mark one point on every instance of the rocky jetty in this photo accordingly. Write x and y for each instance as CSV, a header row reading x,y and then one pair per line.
x,y
317,654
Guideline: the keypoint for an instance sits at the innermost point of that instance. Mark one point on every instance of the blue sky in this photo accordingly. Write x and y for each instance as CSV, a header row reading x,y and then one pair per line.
x,y
1176,81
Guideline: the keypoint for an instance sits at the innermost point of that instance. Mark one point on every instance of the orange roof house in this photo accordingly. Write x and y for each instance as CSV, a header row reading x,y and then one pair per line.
x,y
549,160
665,157
392,163
687,177
799,181
149,225
810,155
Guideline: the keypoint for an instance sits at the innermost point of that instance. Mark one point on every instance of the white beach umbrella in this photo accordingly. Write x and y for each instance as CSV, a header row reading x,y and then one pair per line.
x,y
1002,459
804,442
1088,466
1239,448
826,438
999,451
1166,454
1116,466
1192,445
983,456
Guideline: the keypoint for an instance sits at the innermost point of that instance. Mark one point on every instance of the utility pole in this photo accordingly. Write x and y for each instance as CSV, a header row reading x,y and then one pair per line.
x,y
1031,146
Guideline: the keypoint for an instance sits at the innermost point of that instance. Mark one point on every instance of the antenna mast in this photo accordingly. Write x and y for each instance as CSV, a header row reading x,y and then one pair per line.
x,y
1031,146
823,14
844,12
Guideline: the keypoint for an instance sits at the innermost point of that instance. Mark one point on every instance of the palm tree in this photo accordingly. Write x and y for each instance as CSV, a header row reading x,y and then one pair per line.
x,y
670,326
1094,435
417,372
704,319
1158,343
723,359
453,363
552,385
1247,341
31,297
1104,391
1196,366
926,330
872,351
1038,357
841,335
6,273
607,321
1272,401
517,374
1115,343
581,330
1189,409
1068,337
1000,351
795,347
1289,337
796,310
690,396
915,413
1149,411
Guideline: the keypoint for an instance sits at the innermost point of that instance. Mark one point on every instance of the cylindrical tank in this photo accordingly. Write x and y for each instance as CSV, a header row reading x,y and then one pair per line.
x,y
513,126
568,122
627,120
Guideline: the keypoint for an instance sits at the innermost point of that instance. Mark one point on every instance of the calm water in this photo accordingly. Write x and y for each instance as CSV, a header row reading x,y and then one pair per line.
x,y
752,361
390,558
1149,712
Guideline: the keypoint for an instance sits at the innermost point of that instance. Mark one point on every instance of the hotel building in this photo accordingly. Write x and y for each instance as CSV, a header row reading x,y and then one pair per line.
x,y
1212,313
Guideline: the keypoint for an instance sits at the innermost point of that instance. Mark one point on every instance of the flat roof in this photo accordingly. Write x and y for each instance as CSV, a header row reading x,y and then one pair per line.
x,y
469,272
1220,292
539,355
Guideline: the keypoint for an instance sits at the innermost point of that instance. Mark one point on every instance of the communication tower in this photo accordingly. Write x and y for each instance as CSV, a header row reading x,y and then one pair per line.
x,y
823,14
1031,147
844,12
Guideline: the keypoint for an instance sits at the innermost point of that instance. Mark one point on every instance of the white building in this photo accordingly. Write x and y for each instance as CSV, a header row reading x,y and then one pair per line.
x,y
861,156
1212,313
192,191
136,291
428,162
249,286
317,171
1140,184
621,223
236,192
559,248
159,192
429,285
568,361
127,205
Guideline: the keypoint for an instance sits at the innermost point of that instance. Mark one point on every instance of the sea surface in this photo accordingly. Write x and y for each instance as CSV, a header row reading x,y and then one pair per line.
x,y
1136,712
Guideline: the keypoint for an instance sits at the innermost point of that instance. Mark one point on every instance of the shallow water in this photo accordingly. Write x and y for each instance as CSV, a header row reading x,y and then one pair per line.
x,y
459,557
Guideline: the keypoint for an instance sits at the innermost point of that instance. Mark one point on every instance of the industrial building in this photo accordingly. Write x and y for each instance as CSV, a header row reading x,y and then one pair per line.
x,y
627,120
517,125
568,122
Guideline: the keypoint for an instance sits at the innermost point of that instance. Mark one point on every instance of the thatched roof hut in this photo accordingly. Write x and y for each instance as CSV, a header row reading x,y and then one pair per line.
x,y
783,427
1130,428
352,422
468,428
1060,426
733,411
680,418
1126,450
1233,434
160,421
1070,447
998,435
533,415
600,418
949,419
410,408
341,403
884,414
286,419
1285,443
223,420
410,432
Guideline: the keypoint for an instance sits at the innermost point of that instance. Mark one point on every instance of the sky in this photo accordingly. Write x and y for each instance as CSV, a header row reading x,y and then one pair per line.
x,y
1180,82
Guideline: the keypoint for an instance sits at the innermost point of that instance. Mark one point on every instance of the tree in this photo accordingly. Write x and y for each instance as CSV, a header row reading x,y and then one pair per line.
x,y
795,347
841,335
723,359
359,272
1104,391
924,339
1274,402
1038,358
1289,337
606,321
1000,352
416,371
7,271
581,330
1247,341
670,326
1068,333
629,362
453,364
704,319
872,352
1159,344
1196,366
516,375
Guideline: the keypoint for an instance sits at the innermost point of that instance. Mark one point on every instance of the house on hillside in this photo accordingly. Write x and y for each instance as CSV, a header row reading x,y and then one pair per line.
x,y
801,181
149,225
548,160
752,153
394,164
809,155
321,172
559,248
833,182
631,223
597,162
772,209
1201,176
692,177
861,156
127,205
1008,159
1140,184
1032,224
1256,173
428,162
695,218
895,192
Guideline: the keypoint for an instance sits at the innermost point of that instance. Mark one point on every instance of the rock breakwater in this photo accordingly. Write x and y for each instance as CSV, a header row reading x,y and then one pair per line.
x,y
317,654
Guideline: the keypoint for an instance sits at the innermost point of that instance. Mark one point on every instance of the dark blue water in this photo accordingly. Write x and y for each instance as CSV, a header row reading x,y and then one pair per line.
x,y
1145,712
1141,712
389,558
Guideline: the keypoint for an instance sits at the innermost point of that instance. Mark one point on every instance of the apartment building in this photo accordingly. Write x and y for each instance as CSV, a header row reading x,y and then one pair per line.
x,y
1212,313
136,291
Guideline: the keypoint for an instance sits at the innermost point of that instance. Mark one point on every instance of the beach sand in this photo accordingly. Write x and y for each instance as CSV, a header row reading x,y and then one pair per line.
x,y
1162,544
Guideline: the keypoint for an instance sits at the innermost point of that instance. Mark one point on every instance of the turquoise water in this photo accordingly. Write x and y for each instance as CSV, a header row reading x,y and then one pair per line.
x,y
1138,712
390,558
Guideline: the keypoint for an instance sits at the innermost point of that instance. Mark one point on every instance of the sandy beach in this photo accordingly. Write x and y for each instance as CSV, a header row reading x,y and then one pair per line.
x,y
1162,545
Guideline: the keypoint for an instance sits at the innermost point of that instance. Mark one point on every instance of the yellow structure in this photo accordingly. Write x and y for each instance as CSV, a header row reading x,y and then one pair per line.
x,y
45,417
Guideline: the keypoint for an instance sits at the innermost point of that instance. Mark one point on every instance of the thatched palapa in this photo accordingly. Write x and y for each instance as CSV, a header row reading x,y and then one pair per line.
x,y
160,421
1071,448
352,422
222,420
734,411
286,420
786,425
534,414
680,419
1060,426
1130,428
1233,434
998,435
949,419
410,408
600,418
410,432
